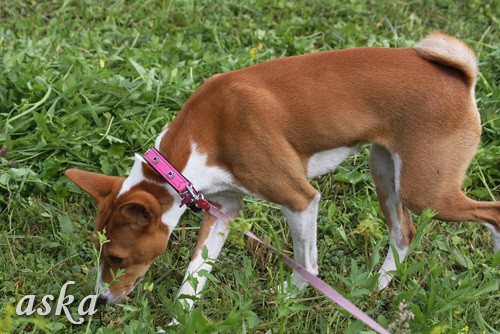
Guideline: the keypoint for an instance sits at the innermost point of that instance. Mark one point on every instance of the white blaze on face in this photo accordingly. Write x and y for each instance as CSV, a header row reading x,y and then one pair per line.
x,y
105,294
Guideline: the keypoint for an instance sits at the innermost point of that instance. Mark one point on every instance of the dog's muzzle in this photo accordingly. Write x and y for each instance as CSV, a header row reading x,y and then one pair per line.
x,y
102,300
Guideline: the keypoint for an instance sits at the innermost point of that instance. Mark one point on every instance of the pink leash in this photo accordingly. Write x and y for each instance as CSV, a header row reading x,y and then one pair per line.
x,y
196,201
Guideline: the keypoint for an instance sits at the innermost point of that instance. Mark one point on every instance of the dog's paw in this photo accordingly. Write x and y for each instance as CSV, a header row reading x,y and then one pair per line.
x,y
173,323
383,281
292,287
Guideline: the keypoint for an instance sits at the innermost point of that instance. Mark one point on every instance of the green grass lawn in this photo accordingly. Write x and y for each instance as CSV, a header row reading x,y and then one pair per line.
x,y
87,84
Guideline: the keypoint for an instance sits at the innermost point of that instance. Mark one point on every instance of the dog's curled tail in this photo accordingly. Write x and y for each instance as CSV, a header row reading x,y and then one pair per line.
x,y
450,51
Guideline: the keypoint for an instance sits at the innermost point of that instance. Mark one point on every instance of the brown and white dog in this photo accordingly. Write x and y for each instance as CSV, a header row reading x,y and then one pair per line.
x,y
267,129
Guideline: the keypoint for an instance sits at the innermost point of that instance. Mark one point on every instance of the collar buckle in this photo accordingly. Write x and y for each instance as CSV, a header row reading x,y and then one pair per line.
x,y
190,197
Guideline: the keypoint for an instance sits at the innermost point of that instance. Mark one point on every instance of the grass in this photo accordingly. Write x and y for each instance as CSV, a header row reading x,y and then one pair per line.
x,y
86,84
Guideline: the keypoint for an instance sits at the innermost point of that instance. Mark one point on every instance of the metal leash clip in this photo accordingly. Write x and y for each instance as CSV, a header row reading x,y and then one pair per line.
x,y
191,198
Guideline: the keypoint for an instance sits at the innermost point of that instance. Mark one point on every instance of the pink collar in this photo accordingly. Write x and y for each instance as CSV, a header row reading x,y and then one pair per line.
x,y
190,197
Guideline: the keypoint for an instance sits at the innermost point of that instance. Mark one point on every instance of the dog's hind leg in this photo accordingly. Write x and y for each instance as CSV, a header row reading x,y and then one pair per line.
x,y
495,235
432,176
385,171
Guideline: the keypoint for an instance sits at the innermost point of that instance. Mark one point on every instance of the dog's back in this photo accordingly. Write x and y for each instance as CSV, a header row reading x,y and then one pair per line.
x,y
318,95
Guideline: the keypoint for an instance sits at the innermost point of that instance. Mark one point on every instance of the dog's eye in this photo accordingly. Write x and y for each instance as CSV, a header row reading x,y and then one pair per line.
x,y
116,259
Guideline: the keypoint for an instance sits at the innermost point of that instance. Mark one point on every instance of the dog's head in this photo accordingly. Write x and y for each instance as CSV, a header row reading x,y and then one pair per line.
x,y
132,224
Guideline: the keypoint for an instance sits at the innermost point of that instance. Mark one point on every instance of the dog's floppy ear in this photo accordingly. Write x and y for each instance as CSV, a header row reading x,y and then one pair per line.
x,y
136,213
97,185
140,208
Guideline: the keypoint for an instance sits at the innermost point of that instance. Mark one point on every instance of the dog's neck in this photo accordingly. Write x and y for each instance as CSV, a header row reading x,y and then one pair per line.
x,y
184,154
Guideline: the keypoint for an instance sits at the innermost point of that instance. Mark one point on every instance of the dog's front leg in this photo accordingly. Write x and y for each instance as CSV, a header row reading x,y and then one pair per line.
x,y
213,234
303,227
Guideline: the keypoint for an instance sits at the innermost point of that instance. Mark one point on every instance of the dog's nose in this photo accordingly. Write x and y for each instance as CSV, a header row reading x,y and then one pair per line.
x,y
101,300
